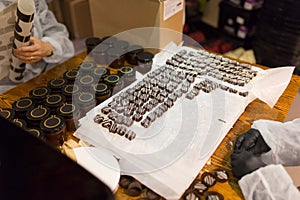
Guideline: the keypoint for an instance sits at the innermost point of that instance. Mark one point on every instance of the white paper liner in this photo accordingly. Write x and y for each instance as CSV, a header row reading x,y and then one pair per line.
x,y
107,169
180,142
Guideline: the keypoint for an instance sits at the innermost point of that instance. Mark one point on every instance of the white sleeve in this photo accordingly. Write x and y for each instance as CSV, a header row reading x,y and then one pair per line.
x,y
55,33
283,139
269,183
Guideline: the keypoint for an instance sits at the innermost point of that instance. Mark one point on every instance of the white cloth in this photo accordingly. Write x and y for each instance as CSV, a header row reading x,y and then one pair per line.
x,y
272,181
46,28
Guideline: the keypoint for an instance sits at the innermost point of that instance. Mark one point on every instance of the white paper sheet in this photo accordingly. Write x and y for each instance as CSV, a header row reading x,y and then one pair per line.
x,y
275,79
104,166
168,156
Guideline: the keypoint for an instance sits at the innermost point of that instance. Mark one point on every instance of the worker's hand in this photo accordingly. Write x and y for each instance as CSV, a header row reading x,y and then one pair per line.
x,y
244,162
251,141
34,52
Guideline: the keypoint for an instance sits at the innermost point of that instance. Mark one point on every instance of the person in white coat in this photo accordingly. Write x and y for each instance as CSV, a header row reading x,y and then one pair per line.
x,y
259,156
50,43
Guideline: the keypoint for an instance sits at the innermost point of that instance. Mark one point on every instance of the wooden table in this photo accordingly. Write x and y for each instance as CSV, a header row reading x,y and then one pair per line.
x,y
221,157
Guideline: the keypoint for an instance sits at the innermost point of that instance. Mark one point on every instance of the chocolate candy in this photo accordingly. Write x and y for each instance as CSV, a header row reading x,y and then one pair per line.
x,y
148,107
119,119
112,104
153,94
119,108
169,103
130,135
98,119
139,103
137,117
231,90
212,195
146,123
121,130
178,93
190,78
134,189
125,180
153,102
208,179
144,97
152,195
184,89
197,86
191,195
106,110
240,83
112,115
130,91
163,107
190,95
162,85
113,128
131,98
128,112
195,91
224,87
107,124
221,175
123,95
243,94
200,187
158,112
141,110
153,82
170,89
127,121
151,117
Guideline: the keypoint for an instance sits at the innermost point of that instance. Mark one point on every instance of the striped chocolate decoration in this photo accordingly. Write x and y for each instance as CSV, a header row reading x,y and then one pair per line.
x,y
25,14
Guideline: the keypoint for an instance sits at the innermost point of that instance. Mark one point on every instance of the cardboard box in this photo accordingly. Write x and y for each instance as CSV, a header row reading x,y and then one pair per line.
x,y
76,14
55,7
114,17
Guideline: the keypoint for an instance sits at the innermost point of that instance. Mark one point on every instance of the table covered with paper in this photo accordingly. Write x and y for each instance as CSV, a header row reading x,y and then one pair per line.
x,y
203,96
